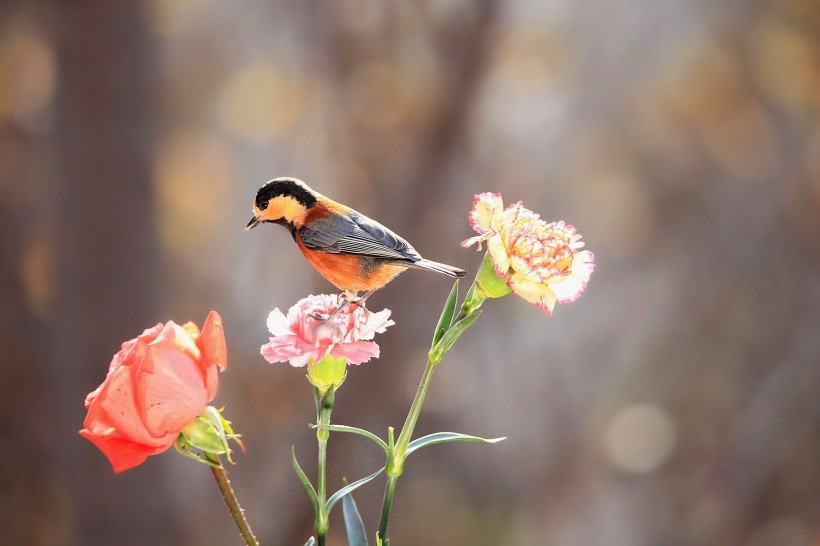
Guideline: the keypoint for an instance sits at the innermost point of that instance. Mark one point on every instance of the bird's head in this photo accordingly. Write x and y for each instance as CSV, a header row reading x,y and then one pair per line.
x,y
283,201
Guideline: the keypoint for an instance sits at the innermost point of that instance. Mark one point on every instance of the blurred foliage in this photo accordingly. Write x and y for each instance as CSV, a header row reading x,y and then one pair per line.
x,y
674,403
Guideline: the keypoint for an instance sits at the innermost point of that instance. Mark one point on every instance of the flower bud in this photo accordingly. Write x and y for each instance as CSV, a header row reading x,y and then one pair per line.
x,y
328,372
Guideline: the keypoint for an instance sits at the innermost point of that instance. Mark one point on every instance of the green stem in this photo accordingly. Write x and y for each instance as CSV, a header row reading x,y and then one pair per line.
x,y
237,513
324,407
389,491
395,463
399,452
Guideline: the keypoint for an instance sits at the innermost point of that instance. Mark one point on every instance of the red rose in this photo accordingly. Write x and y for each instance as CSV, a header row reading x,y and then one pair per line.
x,y
157,384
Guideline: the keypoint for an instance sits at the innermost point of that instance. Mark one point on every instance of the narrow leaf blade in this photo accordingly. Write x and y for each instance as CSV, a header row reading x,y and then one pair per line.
x,y
355,430
337,496
447,313
304,479
356,535
443,437
451,335
311,542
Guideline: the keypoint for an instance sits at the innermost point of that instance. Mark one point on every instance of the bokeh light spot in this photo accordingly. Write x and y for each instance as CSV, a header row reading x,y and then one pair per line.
x,y
37,272
28,74
194,173
173,19
377,95
259,103
640,438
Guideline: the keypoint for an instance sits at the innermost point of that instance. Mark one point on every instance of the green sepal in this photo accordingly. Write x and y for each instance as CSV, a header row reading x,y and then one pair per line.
x,y
356,534
187,450
450,336
304,479
443,437
355,430
447,313
337,496
207,434
330,372
488,283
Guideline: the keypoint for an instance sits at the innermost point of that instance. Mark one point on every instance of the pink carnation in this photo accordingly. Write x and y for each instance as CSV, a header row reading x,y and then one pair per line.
x,y
301,339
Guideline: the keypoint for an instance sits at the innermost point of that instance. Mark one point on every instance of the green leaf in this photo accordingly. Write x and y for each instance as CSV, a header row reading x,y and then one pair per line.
x,y
446,318
304,479
356,535
355,430
442,437
337,496
450,337
311,542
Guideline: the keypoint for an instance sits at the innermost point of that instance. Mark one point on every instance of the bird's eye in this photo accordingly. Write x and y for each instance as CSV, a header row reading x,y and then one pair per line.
x,y
263,205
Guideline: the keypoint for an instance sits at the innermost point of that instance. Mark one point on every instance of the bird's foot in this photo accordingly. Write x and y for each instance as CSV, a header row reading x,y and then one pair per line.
x,y
325,320
360,302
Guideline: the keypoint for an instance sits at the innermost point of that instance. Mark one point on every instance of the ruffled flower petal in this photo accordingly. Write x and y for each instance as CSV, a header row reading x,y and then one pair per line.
x,y
486,209
536,293
300,339
356,352
543,262
570,287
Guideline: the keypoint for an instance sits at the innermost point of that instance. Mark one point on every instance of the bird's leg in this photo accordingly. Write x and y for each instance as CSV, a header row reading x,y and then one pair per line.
x,y
349,296
360,301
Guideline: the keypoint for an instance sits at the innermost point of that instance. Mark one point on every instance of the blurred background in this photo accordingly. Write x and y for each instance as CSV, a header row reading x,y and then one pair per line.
x,y
675,403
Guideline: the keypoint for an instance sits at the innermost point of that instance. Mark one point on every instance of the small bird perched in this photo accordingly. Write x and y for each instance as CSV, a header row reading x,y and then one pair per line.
x,y
352,251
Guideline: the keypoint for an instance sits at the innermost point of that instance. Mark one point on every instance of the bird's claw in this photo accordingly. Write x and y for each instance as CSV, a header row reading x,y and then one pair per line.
x,y
324,320
360,302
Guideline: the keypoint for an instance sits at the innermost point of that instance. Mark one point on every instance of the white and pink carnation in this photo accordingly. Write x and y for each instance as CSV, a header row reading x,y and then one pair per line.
x,y
301,339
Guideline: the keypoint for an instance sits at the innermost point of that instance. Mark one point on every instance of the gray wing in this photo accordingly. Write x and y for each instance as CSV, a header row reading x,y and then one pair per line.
x,y
356,234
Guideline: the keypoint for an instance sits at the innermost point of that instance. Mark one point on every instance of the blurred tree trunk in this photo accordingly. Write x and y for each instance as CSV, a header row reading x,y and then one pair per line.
x,y
108,255
30,493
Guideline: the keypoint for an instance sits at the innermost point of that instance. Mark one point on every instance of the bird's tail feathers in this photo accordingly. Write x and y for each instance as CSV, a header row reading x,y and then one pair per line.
x,y
448,270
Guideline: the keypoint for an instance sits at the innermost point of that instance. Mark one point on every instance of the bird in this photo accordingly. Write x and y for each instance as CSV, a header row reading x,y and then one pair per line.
x,y
355,253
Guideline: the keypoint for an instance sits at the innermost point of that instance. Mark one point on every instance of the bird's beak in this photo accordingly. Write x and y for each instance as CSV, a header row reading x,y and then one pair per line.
x,y
253,223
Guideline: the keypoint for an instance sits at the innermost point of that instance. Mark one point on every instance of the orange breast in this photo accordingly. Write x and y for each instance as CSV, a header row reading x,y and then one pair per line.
x,y
345,270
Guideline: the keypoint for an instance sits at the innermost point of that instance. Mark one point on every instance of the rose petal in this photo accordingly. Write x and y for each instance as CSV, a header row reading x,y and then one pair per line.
x,y
173,393
211,342
176,338
122,453
115,407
